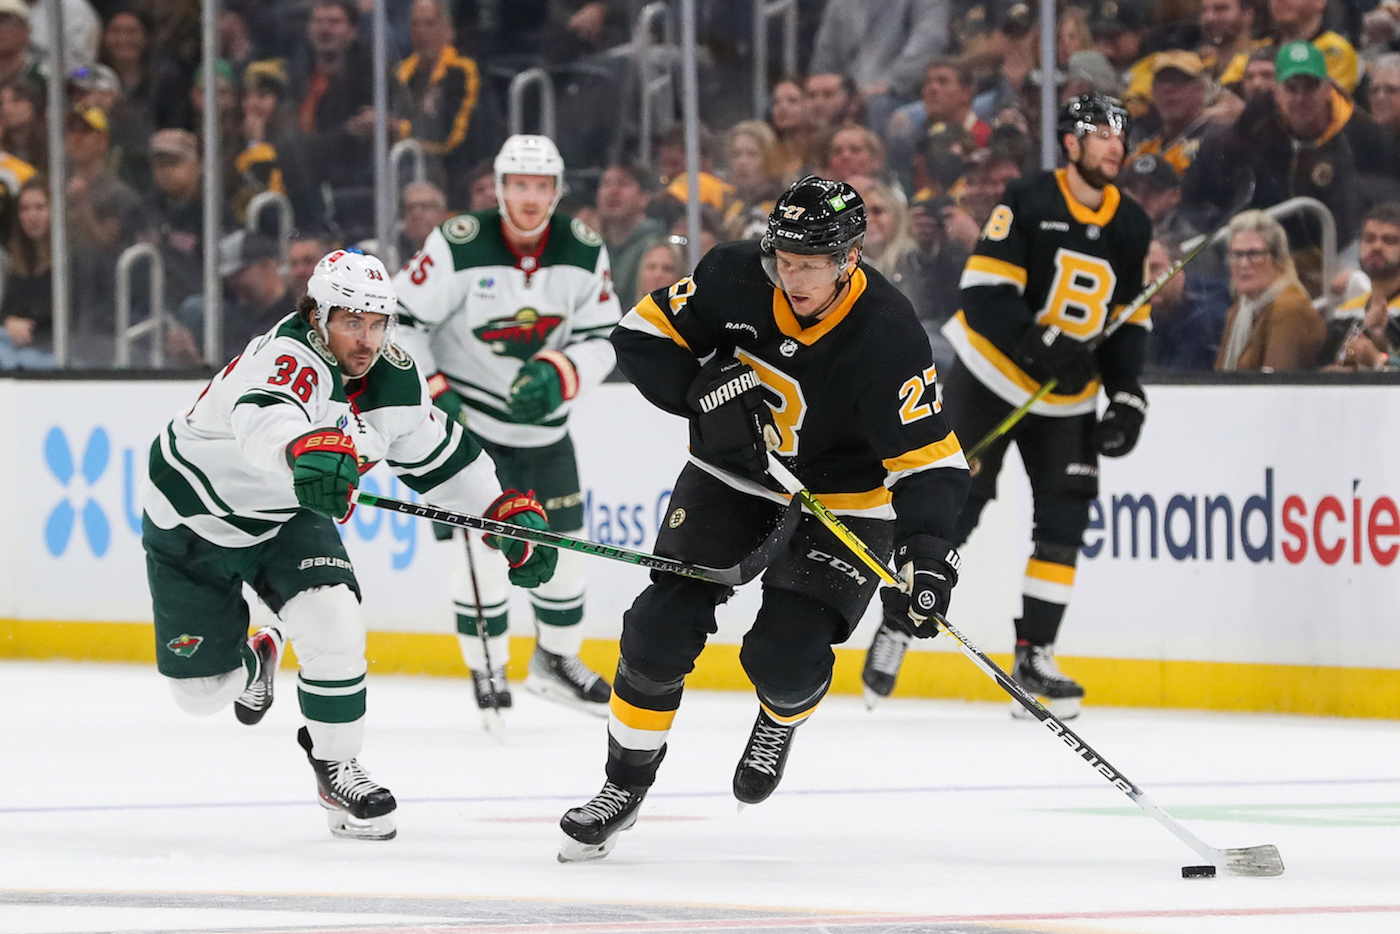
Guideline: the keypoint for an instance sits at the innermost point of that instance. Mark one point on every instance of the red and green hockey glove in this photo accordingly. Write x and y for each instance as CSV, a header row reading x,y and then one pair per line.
x,y
530,564
542,384
325,469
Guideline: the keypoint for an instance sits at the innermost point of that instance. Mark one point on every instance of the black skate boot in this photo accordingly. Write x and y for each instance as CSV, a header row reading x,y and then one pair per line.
x,y
492,692
356,806
1037,672
882,663
565,679
760,768
590,832
267,643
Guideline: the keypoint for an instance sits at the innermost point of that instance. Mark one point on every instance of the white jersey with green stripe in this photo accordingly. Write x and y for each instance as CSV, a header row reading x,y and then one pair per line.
x,y
221,468
476,310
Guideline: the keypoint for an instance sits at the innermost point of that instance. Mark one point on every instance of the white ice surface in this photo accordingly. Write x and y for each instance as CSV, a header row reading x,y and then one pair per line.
x,y
120,813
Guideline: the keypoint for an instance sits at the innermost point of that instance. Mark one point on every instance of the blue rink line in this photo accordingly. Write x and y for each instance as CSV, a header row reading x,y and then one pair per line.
x,y
489,799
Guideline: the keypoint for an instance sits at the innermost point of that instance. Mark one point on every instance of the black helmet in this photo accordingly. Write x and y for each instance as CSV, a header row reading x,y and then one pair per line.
x,y
1079,115
815,217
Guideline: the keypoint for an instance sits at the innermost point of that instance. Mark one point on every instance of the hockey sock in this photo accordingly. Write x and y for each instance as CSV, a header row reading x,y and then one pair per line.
x,y
1045,592
639,720
497,622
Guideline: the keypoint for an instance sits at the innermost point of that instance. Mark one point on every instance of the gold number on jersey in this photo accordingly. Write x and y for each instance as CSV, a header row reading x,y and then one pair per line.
x,y
1079,295
680,294
999,224
788,415
911,409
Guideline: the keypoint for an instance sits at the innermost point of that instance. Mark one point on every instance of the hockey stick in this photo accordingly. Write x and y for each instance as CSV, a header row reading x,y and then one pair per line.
x,y
1245,185
490,716
1246,861
746,570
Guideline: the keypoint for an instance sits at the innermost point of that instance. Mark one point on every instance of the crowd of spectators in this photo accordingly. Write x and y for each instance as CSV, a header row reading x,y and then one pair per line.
x,y
928,107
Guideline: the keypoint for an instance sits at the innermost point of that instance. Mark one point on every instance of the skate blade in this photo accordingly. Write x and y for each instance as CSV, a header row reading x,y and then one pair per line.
x,y
576,851
249,716
1064,708
872,698
494,724
546,688
347,827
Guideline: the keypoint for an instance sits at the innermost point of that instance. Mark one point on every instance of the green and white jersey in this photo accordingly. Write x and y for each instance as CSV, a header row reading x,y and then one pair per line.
x,y
477,310
220,468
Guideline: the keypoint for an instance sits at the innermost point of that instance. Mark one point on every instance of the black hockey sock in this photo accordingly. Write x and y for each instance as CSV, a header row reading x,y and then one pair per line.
x,y
1045,592
1040,621
641,712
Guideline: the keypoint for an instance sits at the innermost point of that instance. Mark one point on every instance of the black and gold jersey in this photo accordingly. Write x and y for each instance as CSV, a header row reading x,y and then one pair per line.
x,y
855,395
1046,259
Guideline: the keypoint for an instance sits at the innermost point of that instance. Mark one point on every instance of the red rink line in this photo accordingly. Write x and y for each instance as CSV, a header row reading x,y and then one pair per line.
x,y
846,921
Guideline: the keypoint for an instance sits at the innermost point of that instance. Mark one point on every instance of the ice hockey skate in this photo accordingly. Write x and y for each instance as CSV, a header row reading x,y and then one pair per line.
x,y
590,832
267,644
492,696
356,806
760,768
882,663
568,681
1037,672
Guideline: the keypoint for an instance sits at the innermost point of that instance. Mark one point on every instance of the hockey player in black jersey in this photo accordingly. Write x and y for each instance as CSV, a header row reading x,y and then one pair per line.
x,y
790,345
1061,254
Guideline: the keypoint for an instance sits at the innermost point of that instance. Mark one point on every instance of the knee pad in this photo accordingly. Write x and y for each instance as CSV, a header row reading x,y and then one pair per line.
x,y
327,631
206,696
1060,520
666,627
787,654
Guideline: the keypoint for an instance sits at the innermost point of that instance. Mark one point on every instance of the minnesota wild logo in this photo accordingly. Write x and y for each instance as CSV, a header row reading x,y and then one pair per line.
x,y
520,336
184,645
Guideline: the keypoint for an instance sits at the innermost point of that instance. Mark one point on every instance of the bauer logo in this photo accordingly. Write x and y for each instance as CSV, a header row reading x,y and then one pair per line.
x,y
77,477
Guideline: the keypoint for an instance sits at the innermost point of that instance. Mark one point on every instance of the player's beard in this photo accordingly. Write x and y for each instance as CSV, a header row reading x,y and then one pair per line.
x,y
1095,176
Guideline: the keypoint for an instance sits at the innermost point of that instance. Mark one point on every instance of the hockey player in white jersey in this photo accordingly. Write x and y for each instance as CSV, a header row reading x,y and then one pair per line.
x,y
510,313
243,488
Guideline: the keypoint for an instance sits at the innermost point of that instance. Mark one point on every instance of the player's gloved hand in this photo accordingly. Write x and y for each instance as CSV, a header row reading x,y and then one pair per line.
x,y
447,398
1048,352
735,422
325,468
530,564
930,565
1117,431
541,385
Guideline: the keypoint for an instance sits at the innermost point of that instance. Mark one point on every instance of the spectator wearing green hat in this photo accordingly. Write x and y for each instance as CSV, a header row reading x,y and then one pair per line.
x,y
1306,139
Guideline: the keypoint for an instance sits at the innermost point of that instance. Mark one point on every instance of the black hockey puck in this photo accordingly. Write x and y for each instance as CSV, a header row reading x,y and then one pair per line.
x,y
1198,872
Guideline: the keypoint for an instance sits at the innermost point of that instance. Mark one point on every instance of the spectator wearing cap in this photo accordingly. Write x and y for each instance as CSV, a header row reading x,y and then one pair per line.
x,y
715,192
1303,21
96,85
1179,88
176,211
940,160
1117,27
1308,139
1151,181
256,297
884,45
16,62
440,101
1089,72
1227,37
333,88
624,194
945,100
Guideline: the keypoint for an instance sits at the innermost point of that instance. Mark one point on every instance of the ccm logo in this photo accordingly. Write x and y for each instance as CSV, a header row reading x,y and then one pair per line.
x,y
844,567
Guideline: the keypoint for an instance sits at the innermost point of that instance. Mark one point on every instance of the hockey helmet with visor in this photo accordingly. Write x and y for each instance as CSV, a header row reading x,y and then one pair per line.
x,y
814,217
359,284
525,154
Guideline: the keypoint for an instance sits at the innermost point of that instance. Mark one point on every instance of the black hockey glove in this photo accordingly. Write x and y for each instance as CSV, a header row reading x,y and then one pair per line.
x,y
735,423
930,565
1046,352
1117,431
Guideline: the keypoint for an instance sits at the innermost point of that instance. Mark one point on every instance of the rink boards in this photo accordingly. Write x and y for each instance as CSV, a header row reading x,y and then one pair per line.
x,y
1244,557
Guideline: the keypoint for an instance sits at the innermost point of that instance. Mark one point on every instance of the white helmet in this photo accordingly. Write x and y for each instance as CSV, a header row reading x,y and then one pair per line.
x,y
358,283
524,154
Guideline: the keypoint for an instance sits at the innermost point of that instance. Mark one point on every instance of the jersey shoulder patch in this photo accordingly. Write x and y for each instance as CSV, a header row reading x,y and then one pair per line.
x,y
393,381
476,240
571,244
461,229
584,234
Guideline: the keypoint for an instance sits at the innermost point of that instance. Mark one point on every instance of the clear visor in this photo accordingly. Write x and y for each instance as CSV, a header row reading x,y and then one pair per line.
x,y
800,269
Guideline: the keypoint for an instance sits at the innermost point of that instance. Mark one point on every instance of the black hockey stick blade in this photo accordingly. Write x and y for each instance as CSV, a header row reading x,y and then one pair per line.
x,y
752,565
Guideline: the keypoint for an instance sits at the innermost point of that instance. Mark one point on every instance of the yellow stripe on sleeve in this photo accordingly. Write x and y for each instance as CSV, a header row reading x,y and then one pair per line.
x,y
651,313
922,457
994,268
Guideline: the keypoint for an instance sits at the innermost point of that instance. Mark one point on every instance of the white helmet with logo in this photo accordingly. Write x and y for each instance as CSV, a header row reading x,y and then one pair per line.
x,y
358,283
524,154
